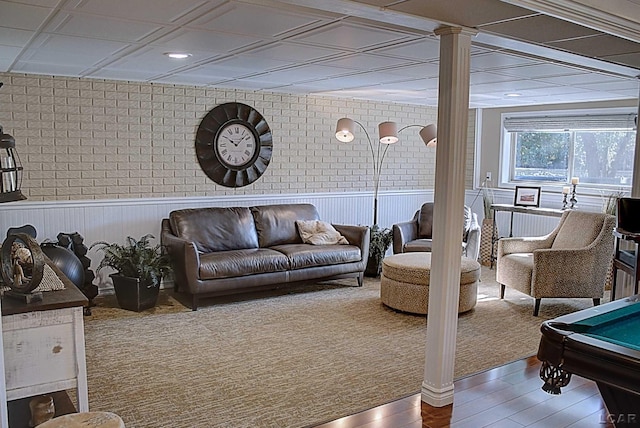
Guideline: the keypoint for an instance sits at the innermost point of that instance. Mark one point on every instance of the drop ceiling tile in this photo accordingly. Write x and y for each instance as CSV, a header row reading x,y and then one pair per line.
x,y
599,46
499,60
539,71
152,59
14,37
208,41
293,52
81,51
349,36
462,12
253,20
619,86
59,69
23,16
104,28
9,52
426,70
203,75
426,49
124,74
580,79
159,11
486,77
366,62
246,64
364,79
630,59
538,29
300,74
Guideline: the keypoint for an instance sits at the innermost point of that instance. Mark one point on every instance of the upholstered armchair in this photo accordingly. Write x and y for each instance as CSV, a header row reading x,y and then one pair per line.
x,y
415,234
572,261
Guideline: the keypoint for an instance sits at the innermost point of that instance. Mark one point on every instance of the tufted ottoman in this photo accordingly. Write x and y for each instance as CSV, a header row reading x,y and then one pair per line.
x,y
404,284
85,420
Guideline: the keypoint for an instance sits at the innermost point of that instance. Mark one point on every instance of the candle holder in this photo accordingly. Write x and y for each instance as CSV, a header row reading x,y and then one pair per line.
x,y
573,199
564,201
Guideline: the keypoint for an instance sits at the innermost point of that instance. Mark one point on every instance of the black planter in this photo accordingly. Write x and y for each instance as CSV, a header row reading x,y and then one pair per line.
x,y
374,267
132,295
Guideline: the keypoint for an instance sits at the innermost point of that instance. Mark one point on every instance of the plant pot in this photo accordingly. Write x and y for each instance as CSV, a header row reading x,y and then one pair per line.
x,y
374,268
133,295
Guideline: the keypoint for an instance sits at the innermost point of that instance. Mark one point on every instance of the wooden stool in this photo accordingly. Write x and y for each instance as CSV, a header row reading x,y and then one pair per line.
x,y
85,420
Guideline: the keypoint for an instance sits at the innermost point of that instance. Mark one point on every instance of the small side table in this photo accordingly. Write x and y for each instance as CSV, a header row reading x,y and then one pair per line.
x,y
626,260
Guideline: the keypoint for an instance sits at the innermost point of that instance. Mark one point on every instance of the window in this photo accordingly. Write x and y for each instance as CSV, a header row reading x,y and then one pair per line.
x,y
599,149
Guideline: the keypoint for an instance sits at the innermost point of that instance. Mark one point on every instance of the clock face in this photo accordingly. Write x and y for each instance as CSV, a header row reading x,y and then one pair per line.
x,y
234,144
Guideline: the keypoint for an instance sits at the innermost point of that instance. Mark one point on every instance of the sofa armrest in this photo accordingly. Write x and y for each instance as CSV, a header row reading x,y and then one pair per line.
x,y
523,244
184,257
472,249
356,235
403,233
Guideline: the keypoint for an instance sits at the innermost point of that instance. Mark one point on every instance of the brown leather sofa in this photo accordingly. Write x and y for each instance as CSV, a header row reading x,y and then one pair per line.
x,y
221,251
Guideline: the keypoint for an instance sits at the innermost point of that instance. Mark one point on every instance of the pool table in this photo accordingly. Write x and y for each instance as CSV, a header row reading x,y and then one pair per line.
x,y
602,344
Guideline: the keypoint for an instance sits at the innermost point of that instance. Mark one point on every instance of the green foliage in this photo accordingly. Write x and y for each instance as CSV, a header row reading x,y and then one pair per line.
x,y
487,201
610,202
136,259
380,242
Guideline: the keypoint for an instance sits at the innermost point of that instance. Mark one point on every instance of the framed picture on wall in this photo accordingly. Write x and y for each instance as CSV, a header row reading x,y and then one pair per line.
x,y
527,196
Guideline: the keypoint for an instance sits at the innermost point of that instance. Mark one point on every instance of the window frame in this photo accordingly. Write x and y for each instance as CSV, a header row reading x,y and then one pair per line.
x,y
508,152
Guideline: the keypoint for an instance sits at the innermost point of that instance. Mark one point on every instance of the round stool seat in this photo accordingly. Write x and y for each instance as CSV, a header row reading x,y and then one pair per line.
x,y
404,284
85,420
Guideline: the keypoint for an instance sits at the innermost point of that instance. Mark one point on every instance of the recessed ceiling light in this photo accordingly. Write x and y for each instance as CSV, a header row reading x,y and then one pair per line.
x,y
513,94
178,55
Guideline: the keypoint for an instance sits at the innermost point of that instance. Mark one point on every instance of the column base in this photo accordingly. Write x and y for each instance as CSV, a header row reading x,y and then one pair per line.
x,y
436,397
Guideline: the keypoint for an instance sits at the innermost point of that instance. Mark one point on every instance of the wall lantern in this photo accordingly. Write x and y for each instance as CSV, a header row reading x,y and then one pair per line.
x,y
10,170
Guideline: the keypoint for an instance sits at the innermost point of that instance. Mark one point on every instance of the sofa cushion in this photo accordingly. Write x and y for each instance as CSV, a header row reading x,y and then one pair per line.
x,y
215,229
229,264
306,255
425,221
318,232
276,224
418,245
579,230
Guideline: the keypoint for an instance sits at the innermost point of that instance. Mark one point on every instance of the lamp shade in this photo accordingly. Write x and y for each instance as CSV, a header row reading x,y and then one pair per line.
x,y
429,135
345,130
388,132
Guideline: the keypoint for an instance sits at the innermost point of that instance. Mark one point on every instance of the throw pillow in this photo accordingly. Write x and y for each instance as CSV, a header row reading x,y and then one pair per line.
x,y
318,232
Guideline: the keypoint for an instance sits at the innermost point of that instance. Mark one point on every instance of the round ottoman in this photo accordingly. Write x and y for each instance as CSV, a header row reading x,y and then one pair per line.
x,y
404,284
85,420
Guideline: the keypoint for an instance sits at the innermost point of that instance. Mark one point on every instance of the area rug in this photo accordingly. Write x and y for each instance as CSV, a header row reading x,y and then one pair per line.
x,y
293,358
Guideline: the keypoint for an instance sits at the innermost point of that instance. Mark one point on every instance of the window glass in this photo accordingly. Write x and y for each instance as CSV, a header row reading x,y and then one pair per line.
x,y
604,157
541,156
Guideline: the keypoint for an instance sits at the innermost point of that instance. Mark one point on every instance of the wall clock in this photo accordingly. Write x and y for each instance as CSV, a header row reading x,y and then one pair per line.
x,y
234,144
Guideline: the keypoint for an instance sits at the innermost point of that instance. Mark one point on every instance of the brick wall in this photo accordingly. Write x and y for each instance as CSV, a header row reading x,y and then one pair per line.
x,y
96,139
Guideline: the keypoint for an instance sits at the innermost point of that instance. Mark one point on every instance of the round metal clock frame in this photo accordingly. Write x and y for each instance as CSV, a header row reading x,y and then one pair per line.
x,y
226,153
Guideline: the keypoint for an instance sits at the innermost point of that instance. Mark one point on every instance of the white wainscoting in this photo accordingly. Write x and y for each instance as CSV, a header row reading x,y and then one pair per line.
x,y
114,220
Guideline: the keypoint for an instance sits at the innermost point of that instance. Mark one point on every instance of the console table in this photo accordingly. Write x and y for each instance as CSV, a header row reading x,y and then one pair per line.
x,y
43,342
553,212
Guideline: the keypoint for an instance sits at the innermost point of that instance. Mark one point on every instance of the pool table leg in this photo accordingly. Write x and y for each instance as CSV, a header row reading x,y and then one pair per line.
x,y
502,287
596,302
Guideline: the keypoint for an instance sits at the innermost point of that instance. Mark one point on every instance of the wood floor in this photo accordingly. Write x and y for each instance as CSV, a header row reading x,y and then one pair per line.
x,y
505,397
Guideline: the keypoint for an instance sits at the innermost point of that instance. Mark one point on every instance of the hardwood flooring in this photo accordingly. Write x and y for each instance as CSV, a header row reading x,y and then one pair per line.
x,y
509,396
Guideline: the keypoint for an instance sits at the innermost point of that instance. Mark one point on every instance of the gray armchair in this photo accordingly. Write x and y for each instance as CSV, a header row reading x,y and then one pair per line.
x,y
415,235
572,261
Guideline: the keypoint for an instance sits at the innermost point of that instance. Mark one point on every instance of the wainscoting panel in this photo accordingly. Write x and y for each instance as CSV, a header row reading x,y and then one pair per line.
x,y
114,220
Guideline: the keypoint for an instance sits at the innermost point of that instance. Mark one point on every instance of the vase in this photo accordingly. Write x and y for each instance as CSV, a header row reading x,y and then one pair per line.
x,y
486,235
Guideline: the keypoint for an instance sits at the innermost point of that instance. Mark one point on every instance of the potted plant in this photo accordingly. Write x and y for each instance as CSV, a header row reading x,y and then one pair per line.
x,y
139,266
380,242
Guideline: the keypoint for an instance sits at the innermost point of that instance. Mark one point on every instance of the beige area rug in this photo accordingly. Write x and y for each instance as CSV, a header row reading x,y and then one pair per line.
x,y
289,360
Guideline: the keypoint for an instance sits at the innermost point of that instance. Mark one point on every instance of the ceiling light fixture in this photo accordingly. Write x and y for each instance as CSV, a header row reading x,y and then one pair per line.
x,y
513,94
178,55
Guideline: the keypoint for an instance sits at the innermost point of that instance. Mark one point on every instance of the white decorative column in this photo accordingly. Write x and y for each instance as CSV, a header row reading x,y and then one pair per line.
x,y
448,217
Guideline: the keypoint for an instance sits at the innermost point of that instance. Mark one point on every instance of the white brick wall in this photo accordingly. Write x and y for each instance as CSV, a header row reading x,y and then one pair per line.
x,y
96,139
